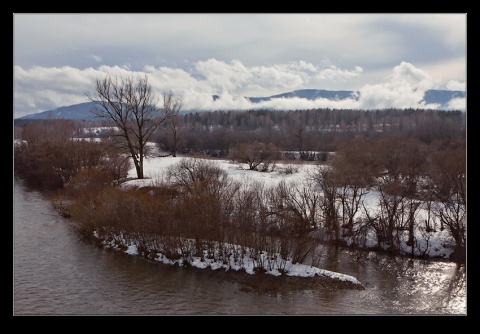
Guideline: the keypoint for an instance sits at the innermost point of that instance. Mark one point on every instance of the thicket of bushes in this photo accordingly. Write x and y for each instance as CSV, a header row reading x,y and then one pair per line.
x,y
197,211
47,155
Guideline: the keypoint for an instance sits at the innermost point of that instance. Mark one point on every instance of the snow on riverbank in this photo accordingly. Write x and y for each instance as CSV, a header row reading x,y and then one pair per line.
x,y
248,265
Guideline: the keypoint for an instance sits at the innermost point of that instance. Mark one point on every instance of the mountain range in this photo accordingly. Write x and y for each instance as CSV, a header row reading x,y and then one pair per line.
x,y
82,111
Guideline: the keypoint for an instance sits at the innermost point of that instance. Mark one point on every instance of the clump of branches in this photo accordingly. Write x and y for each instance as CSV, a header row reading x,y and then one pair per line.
x,y
258,156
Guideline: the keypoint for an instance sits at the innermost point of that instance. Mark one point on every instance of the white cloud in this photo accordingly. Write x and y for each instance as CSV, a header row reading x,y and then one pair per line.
x,y
223,76
335,74
406,74
404,88
457,104
456,85
298,103
44,88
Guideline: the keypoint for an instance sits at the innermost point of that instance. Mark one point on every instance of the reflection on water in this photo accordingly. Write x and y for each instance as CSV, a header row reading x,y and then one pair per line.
x,y
56,273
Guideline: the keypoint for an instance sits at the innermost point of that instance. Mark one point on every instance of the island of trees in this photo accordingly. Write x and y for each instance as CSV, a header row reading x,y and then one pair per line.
x,y
414,159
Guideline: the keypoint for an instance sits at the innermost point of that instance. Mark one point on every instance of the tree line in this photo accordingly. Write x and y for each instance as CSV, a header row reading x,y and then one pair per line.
x,y
303,131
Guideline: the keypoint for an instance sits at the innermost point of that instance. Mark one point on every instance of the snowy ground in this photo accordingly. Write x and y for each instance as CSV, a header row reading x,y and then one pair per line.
x,y
155,167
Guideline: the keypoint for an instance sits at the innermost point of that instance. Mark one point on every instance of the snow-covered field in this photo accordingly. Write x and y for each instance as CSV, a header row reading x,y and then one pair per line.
x,y
154,168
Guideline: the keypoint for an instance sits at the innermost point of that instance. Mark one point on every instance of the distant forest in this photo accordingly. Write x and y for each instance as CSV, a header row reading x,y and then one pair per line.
x,y
302,131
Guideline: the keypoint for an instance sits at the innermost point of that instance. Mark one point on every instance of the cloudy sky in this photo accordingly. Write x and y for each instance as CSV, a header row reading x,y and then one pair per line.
x,y
390,59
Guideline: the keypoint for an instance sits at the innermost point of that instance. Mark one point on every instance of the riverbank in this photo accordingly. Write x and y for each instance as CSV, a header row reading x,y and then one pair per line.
x,y
263,283
247,274
268,284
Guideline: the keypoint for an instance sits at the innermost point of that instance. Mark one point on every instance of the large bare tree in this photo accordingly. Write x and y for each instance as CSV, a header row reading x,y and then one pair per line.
x,y
132,107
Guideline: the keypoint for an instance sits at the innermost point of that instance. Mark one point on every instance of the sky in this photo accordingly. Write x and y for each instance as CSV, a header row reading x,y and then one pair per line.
x,y
390,59
154,168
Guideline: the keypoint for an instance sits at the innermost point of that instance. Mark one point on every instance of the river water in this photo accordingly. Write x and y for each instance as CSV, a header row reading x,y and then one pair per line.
x,y
56,273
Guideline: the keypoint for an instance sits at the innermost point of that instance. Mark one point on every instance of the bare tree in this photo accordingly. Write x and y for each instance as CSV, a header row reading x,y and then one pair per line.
x,y
354,168
173,106
402,160
297,205
449,174
324,177
132,107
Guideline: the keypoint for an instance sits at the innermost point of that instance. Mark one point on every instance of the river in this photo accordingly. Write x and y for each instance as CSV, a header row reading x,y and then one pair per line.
x,y
56,273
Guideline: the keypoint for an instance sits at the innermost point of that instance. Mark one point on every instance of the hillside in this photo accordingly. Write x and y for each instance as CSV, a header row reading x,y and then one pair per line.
x,y
81,111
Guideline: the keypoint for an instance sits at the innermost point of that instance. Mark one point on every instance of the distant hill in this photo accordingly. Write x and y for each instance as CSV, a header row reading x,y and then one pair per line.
x,y
309,94
442,96
82,111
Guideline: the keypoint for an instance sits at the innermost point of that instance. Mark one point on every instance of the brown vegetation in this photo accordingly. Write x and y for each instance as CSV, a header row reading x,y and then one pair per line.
x,y
198,211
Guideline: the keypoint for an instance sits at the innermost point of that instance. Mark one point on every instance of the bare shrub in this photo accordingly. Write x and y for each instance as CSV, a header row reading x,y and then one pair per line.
x,y
258,156
205,201
88,181
245,215
289,169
